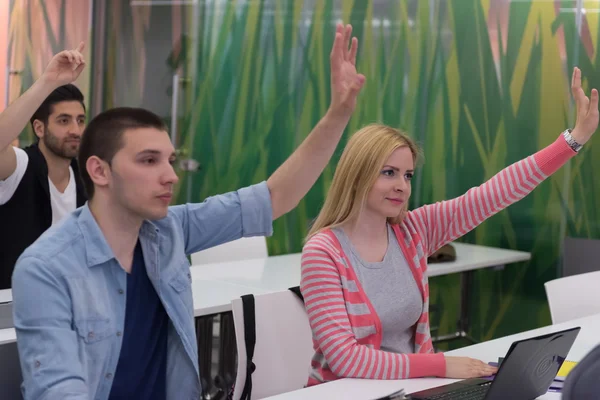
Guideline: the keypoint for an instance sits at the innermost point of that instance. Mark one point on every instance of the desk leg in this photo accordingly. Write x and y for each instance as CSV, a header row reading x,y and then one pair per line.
x,y
227,354
204,329
466,283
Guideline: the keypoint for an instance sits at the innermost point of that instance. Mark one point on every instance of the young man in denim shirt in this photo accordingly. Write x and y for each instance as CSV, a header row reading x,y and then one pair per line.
x,y
103,303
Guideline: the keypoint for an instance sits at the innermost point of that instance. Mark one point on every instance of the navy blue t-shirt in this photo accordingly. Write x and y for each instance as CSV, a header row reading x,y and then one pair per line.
x,y
142,368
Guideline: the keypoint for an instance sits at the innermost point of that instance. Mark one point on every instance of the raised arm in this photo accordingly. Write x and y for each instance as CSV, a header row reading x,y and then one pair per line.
x,y
293,179
321,287
64,68
445,221
47,344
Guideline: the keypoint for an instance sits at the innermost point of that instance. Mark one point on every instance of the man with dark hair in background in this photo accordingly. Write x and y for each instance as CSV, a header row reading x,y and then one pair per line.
x,y
40,184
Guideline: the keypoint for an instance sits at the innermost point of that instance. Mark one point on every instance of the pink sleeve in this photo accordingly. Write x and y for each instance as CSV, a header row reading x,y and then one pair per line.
x,y
321,286
445,221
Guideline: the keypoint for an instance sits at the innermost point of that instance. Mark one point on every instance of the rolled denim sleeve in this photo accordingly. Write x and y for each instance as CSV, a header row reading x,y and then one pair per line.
x,y
257,211
223,218
48,347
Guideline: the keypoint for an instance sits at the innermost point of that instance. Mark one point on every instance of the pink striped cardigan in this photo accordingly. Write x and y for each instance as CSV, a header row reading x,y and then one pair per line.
x,y
346,330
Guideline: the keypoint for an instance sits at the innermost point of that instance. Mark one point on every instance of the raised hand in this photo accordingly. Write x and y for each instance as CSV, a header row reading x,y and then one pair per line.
x,y
345,81
65,66
587,110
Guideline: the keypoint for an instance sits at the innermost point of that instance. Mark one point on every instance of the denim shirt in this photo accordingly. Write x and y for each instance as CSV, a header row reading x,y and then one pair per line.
x,y
69,294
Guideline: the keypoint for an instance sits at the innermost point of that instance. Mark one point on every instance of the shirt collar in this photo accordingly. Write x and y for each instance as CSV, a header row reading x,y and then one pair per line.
x,y
97,249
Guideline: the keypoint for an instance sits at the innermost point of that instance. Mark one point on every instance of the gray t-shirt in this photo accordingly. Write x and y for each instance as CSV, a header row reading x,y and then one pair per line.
x,y
392,290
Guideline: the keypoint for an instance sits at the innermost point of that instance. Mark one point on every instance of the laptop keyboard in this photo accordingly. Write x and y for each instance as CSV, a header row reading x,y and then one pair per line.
x,y
467,393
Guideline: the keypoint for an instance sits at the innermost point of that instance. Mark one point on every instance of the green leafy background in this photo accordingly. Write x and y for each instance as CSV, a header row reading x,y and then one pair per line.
x,y
430,70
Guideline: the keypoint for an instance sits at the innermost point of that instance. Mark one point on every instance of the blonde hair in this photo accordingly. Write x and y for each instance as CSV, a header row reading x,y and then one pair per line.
x,y
360,164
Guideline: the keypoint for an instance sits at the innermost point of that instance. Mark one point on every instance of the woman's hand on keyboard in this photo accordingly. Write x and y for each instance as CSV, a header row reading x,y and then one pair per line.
x,y
465,367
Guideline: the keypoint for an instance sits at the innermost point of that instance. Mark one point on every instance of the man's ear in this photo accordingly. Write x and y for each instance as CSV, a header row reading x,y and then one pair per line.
x,y
39,128
98,170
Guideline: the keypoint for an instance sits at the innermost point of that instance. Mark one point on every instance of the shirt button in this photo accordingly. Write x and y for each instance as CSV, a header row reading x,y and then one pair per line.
x,y
108,375
37,363
119,333
91,335
120,291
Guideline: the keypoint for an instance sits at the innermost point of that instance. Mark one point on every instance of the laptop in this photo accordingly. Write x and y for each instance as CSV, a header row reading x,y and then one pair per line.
x,y
526,372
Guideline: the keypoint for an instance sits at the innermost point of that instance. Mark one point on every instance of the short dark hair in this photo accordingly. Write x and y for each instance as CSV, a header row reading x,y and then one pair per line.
x,y
67,92
103,136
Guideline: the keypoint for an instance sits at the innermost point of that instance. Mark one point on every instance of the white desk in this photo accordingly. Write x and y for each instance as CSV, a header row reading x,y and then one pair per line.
x,y
277,273
5,296
273,273
214,297
7,336
470,257
489,351
281,272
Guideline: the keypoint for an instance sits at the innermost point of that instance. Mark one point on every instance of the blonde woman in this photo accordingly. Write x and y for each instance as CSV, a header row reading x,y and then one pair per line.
x,y
364,269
